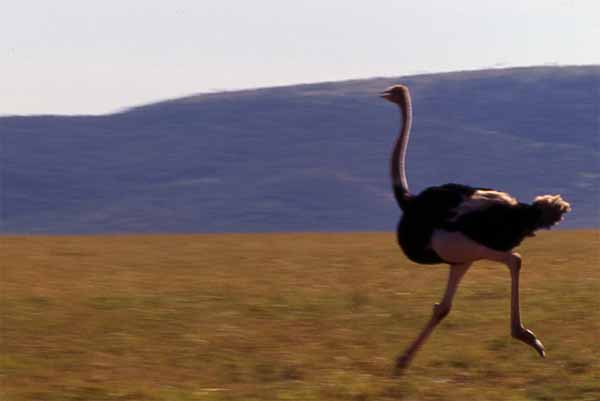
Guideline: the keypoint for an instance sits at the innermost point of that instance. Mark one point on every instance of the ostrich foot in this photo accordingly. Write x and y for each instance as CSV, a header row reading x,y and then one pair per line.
x,y
527,336
402,363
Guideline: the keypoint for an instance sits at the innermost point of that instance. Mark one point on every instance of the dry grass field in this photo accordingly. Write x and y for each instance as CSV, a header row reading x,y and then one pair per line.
x,y
288,317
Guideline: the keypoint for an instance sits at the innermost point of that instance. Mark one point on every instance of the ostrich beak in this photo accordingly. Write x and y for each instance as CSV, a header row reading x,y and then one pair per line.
x,y
385,94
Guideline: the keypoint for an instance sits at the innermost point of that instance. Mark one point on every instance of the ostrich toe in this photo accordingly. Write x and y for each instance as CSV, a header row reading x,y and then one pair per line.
x,y
527,336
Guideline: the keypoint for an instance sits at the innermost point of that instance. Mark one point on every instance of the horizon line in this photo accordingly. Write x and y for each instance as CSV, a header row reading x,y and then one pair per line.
x,y
234,90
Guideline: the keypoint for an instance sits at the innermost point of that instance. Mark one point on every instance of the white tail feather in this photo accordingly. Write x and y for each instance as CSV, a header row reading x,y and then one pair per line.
x,y
552,208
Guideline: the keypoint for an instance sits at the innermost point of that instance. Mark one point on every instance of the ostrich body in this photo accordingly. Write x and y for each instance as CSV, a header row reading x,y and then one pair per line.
x,y
458,225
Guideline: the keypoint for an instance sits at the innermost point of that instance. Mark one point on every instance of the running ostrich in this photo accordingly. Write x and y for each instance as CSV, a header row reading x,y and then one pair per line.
x,y
458,225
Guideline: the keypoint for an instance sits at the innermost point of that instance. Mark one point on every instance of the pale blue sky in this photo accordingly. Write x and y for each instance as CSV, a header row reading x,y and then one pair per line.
x,y
73,56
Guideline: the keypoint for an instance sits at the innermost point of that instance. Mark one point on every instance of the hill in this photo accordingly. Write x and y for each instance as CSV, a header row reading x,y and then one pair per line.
x,y
302,158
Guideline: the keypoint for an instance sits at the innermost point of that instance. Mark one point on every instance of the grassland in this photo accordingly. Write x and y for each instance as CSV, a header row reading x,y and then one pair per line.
x,y
288,317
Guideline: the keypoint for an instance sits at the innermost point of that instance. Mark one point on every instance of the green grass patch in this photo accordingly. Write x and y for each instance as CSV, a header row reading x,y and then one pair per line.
x,y
308,317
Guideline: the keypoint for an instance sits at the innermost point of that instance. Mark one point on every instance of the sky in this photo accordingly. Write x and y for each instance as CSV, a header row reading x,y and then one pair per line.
x,y
83,57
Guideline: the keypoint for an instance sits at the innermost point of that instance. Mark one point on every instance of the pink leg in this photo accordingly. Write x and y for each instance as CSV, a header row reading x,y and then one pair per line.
x,y
517,330
454,246
457,271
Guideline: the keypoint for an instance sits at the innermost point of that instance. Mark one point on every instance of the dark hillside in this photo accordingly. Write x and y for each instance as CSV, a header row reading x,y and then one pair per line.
x,y
302,158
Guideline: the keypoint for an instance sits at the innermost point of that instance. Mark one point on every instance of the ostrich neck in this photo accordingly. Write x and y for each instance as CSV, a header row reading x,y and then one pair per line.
x,y
398,162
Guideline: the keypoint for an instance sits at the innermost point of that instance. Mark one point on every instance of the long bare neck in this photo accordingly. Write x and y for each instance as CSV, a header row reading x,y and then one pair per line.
x,y
398,160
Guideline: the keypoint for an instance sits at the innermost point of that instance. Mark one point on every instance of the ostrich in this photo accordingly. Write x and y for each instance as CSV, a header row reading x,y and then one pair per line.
x,y
458,225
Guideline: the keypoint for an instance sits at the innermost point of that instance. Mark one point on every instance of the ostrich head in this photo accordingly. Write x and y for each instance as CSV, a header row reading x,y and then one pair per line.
x,y
396,94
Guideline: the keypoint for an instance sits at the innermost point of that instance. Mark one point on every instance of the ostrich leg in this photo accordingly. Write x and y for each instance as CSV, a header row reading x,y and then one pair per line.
x,y
440,311
455,246
517,330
